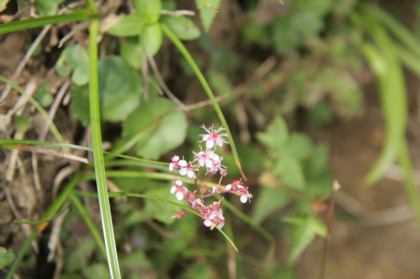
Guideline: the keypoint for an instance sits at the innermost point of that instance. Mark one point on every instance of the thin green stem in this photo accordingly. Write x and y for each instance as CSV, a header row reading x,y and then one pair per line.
x,y
45,20
38,107
98,158
207,89
89,223
54,207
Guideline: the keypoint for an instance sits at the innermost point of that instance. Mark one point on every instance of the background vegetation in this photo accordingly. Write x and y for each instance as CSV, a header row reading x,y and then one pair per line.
x,y
108,92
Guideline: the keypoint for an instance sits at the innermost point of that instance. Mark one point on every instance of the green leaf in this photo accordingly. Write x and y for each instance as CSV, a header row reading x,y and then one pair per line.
x,y
269,200
132,52
128,25
318,160
76,260
276,135
43,94
182,27
160,211
307,228
96,270
207,14
22,123
119,88
198,270
149,9
72,57
80,74
47,7
6,257
157,126
290,172
151,39
298,146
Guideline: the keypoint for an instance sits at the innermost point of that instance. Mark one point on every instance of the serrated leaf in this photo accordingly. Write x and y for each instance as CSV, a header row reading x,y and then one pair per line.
x,y
157,126
6,257
151,39
119,88
128,25
290,172
132,52
298,146
307,228
149,9
182,27
269,200
207,14
275,136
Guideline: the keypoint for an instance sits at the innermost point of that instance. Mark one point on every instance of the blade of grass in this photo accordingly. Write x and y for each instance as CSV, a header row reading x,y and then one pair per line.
x,y
38,107
89,223
98,158
53,209
14,144
207,89
80,15
137,195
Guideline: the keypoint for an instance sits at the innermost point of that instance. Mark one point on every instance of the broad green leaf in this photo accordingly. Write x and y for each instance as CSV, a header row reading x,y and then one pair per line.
x,y
318,160
128,25
182,27
158,127
269,200
76,259
132,52
72,57
22,123
151,39
119,88
307,228
276,135
47,7
160,211
80,74
43,94
298,146
290,172
6,257
137,265
96,270
149,9
207,14
198,270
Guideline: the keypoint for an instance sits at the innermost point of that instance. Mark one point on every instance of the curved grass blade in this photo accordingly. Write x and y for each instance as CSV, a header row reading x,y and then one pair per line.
x,y
182,206
9,143
98,158
40,109
80,15
54,207
207,89
85,215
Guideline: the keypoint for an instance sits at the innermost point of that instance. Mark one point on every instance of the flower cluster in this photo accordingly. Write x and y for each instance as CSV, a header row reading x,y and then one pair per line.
x,y
212,162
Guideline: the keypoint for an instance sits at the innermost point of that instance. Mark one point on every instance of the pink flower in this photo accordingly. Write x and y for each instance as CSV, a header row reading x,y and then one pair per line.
x,y
186,169
179,190
175,163
212,138
213,217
